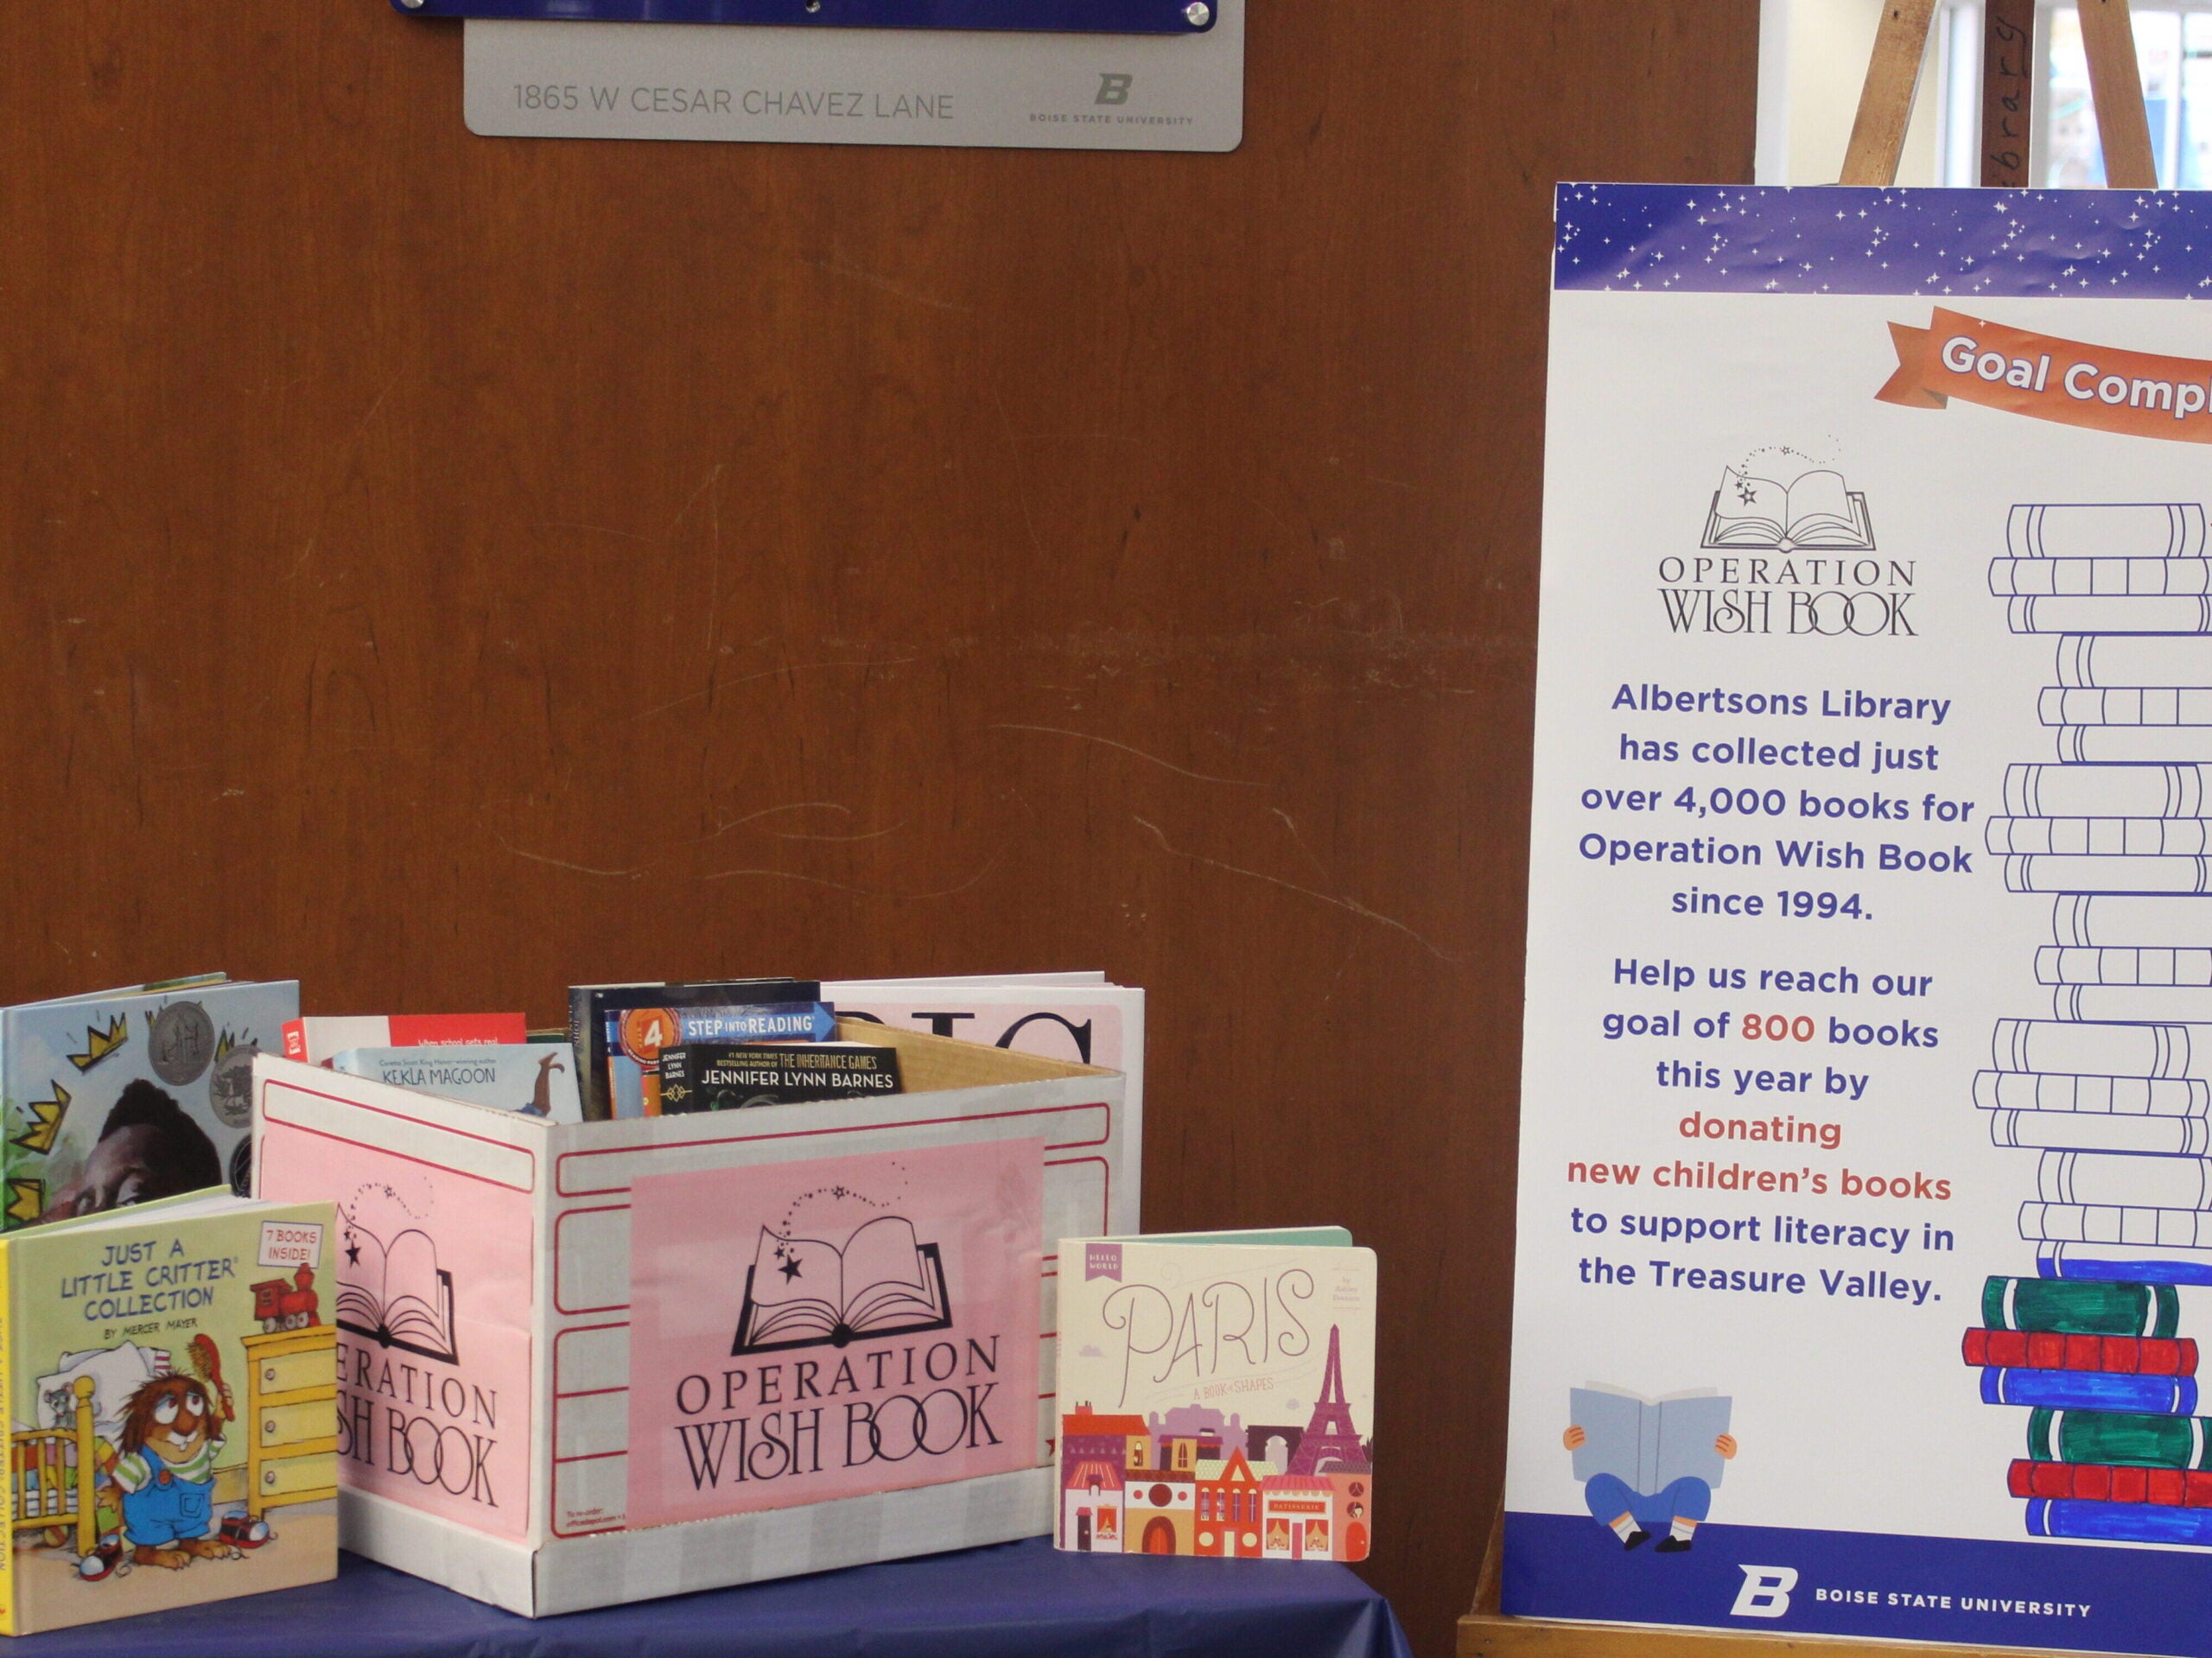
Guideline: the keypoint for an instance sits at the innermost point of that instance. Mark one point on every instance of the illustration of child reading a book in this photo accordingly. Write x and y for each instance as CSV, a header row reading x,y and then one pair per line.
x,y
808,1293
1649,1464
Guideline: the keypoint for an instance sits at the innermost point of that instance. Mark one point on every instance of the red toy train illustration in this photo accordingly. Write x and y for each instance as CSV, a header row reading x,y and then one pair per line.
x,y
280,1305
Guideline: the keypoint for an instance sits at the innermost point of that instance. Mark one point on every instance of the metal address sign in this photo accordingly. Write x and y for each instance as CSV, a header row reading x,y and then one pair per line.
x,y
1056,17
939,84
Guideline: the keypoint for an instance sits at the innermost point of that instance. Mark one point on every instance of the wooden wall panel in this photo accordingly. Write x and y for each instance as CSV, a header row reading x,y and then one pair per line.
x,y
444,568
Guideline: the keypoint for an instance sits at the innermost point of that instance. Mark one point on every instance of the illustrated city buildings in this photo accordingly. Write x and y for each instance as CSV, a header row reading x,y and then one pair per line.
x,y
1193,1482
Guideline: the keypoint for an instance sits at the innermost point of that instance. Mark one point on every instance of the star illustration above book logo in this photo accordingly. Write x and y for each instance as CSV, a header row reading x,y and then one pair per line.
x,y
352,1251
789,1268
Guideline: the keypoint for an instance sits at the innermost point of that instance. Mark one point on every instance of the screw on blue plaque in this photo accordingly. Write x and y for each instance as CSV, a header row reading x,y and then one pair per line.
x,y
1050,16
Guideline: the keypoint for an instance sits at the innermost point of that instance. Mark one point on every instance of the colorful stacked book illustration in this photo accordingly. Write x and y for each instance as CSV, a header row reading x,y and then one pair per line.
x,y
1216,1395
169,1375
2113,1089
129,1095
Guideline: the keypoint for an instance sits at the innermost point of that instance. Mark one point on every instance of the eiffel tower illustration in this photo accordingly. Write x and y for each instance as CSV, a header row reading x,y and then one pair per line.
x,y
1330,1436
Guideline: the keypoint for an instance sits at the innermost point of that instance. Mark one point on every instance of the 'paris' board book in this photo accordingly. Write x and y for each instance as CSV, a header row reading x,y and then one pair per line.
x,y
170,1379
1216,1395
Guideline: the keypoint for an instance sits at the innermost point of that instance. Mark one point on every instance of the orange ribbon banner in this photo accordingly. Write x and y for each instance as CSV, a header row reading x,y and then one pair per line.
x,y
2131,392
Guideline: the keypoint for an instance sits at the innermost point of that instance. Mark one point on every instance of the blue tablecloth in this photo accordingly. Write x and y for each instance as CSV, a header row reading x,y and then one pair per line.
x,y
1017,1600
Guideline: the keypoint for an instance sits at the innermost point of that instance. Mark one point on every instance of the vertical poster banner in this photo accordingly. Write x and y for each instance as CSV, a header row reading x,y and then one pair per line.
x,y
1865,1184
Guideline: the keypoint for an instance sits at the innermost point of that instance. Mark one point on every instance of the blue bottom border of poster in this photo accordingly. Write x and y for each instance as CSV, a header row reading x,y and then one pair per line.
x,y
2100,1598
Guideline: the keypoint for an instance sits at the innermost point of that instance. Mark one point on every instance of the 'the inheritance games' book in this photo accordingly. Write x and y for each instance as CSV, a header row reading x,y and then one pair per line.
x,y
133,1094
727,1075
170,1377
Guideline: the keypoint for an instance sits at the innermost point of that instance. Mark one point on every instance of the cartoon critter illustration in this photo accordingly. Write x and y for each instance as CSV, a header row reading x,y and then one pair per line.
x,y
280,1305
166,1474
208,1365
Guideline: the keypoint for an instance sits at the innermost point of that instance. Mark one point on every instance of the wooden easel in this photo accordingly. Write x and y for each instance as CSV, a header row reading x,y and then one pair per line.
x,y
1876,142
2007,63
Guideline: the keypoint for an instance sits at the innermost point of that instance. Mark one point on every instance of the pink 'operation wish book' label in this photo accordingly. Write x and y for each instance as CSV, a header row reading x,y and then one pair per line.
x,y
823,1328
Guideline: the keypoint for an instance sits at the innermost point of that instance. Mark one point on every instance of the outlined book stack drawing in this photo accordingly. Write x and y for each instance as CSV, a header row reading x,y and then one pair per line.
x,y
2113,1085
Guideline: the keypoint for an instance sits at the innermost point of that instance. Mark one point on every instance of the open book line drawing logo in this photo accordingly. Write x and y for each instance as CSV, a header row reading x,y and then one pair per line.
x,y
1817,511
803,1291
395,1294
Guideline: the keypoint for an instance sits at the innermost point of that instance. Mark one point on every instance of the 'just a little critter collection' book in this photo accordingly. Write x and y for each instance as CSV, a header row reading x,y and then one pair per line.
x,y
169,1372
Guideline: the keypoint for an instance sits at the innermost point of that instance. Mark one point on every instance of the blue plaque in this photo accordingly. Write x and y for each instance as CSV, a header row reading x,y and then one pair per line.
x,y
1054,16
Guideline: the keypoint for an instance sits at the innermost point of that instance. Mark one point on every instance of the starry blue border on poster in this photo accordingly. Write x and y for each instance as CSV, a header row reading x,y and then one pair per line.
x,y
1052,16
1677,239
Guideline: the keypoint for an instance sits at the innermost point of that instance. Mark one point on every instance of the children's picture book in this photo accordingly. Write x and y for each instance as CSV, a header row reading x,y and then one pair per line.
x,y
170,1376
595,1015
1075,1016
1649,1443
726,1076
1216,1395
129,1095
536,1078
317,1041
1817,510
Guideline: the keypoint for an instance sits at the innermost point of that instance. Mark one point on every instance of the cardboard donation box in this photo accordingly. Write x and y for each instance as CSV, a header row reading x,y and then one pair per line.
x,y
584,1363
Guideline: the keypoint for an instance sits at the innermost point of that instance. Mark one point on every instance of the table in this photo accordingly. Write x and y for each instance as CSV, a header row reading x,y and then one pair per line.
x,y
1014,1600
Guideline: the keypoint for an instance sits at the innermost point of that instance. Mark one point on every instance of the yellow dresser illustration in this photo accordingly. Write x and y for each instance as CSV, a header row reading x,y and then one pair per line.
x,y
292,1408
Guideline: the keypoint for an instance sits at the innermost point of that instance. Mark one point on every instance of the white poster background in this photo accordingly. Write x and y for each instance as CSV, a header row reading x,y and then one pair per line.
x,y
1850,1414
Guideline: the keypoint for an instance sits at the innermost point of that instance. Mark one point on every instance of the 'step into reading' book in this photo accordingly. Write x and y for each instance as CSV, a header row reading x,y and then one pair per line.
x,y
170,1377
601,1015
134,1094
1244,1431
